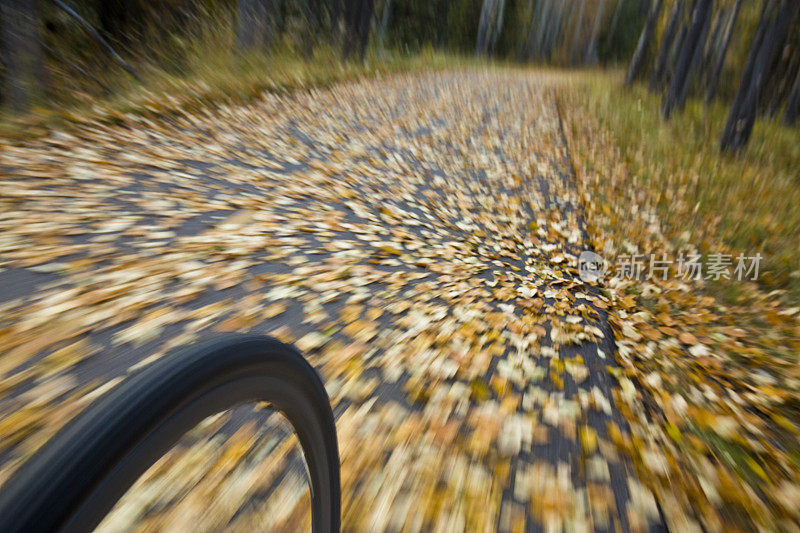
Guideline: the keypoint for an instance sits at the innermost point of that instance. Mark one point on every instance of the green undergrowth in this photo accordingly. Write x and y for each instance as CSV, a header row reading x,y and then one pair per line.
x,y
214,76
728,203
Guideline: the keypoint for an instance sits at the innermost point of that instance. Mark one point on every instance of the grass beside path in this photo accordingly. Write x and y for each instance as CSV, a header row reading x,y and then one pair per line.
x,y
710,381
215,78
738,203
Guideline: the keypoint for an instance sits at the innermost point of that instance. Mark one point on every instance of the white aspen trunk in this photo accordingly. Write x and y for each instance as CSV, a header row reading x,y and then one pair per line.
x,y
591,50
573,52
498,25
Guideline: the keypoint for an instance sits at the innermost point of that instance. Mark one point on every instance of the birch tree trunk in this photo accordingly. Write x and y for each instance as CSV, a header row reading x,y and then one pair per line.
x,y
744,83
695,63
335,11
533,24
615,18
559,30
544,27
443,11
657,79
573,51
387,9
719,59
776,86
314,22
763,55
712,43
252,26
644,42
498,25
357,21
483,27
792,111
365,23
21,48
552,31
591,50
690,51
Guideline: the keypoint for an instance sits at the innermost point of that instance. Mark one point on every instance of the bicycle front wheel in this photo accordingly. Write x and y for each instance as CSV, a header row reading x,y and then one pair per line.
x,y
73,481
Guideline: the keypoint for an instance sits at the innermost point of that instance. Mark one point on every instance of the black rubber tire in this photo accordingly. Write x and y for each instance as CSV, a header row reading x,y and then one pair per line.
x,y
75,479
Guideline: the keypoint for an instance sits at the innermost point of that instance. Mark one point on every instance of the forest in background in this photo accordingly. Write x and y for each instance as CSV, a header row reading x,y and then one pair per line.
x,y
85,48
650,91
81,49
744,52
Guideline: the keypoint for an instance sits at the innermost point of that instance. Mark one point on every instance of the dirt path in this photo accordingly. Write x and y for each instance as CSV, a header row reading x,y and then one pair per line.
x,y
417,237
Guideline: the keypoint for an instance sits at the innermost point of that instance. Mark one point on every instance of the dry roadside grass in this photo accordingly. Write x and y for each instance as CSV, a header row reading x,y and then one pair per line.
x,y
213,76
709,376
745,202
714,363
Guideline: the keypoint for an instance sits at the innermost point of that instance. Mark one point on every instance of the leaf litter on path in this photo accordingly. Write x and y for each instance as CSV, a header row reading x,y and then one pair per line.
x,y
417,237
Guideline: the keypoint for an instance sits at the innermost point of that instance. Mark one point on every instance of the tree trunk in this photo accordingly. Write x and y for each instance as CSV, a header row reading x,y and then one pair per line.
x,y
534,8
698,27
365,23
313,22
573,51
533,25
357,21
483,27
335,10
719,60
443,12
742,117
553,32
778,85
792,111
615,18
498,25
560,29
644,42
658,78
747,75
387,10
696,60
252,27
489,26
21,47
548,16
591,50
712,43
117,19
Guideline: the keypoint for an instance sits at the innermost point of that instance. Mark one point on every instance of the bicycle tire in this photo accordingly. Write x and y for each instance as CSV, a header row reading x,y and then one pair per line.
x,y
75,479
